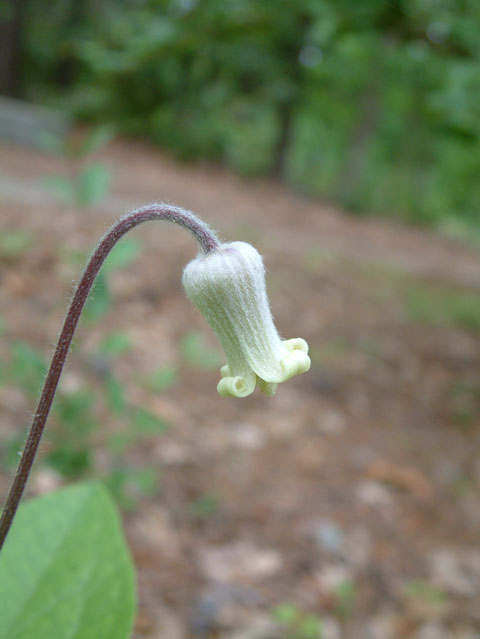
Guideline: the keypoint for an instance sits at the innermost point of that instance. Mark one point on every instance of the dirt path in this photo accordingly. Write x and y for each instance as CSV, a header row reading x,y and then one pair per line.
x,y
219,195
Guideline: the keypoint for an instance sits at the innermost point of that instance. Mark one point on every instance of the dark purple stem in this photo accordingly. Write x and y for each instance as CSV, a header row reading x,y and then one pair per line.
x,y
208,242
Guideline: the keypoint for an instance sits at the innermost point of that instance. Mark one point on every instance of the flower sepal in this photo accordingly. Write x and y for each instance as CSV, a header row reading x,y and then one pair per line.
x,y
228,286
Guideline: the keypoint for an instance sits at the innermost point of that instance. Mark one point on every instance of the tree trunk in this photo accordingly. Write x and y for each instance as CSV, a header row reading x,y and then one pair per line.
x,y
10,29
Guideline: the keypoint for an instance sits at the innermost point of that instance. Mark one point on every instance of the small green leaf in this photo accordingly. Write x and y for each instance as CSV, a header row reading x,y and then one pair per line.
x,y
119,442
93,184
195,351
163,378
203,507
65,570
12,449
286,614
74,410
69,460
146,422
122,255
129,485
99,299
429,593
115,395
146,481
345,594
115,344
28,367
96,139
14,242
311,628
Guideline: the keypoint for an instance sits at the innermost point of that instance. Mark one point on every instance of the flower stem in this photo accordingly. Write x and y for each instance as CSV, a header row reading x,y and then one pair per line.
x,y
207,241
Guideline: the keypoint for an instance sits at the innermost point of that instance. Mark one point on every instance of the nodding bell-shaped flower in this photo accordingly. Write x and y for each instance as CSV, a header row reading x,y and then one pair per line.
x,y
227,285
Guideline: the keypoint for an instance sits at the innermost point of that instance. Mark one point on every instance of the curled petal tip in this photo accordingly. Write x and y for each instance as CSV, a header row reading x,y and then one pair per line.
x,y
296,344
295,363
234,387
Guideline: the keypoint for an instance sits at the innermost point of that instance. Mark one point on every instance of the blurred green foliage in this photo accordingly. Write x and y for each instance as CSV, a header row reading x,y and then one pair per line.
x,y
75,424
421,589
162,379
88,182
128,485
101,298
345,598
443,306
14,242
196,352
374,104
204,507
464,400
296,624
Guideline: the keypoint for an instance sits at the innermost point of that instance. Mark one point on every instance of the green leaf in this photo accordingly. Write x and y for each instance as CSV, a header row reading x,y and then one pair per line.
x,y
122,255
12,449
115,395
195,351
96,139
129,485
99,299
311,628
203,507
65,570
119,442
115,344
345,593
14,242
69,460
75,412
286,613
163,378
93,184
429,593
28,367
147,423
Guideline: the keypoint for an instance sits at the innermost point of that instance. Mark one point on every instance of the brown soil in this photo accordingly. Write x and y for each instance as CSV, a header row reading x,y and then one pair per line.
x,y
354,493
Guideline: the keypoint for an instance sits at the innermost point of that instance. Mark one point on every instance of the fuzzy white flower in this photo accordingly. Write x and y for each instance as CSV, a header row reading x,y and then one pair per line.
x,y
228,286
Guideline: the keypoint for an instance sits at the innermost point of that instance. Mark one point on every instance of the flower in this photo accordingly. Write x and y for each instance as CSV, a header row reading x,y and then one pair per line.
x,y
227,285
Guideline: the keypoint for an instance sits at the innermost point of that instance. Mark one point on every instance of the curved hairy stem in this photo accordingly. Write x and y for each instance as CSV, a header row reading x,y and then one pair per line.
x,y
207,241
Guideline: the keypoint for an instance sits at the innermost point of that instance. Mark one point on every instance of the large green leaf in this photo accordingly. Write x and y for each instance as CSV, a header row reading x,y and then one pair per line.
x,y
65,570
